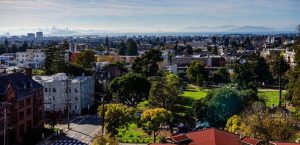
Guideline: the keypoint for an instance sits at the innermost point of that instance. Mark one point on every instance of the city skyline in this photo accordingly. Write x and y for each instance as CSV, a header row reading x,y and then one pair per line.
x,y
146,15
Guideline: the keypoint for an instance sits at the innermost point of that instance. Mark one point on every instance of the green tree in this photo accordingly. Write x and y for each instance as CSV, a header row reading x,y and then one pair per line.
x,y
131,48
85,59
214,40
55,59
221,104
103,140
221,76
189,50
164,92
215,50
147,65
278,64
254,70
153,119
130,89
116,116
122,48
235,125
197,73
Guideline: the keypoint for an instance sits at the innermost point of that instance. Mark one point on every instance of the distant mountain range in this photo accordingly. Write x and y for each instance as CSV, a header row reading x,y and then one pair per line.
x,y
186,31
229,28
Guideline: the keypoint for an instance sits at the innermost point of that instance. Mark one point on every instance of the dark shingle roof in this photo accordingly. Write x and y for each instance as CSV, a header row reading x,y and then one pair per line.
x,y
23,84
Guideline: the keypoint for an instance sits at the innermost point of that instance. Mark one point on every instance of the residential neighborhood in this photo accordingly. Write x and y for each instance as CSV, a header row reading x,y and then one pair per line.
x,y
127,72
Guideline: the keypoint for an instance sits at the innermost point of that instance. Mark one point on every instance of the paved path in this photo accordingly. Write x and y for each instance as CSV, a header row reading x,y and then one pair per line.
x,y
82,131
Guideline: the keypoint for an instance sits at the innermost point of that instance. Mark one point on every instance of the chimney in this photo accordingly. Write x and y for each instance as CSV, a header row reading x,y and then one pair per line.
x,y
28,72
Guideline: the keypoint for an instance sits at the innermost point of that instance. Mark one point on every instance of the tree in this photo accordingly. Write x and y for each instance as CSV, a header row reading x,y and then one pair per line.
x,y
130,89
154,119
131,48
268,126
85,59
122,48
221,105
221,76
254,70
189,50
235,125
116,116
214,40
55,59
53,118
6,43
106,44
164,91
215,50
197,73
103,140
279,66
147,65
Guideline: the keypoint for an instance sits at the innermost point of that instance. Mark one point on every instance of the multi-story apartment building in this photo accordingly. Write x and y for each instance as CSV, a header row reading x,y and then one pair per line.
x,y
58,87
25,106
31,58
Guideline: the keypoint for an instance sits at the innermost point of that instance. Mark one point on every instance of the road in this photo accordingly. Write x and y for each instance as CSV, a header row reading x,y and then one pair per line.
x,y
82,131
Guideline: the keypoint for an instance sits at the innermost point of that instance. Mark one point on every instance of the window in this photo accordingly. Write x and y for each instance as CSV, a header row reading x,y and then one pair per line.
x,y
21,115
22,129
76,99
28,101
54,90
21,104
28,111
49,89
75,107
28,124
46,89
53,98
75,90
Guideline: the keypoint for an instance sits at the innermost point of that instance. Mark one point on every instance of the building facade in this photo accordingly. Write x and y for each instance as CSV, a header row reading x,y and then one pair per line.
x,y
24,99
59,87
33,58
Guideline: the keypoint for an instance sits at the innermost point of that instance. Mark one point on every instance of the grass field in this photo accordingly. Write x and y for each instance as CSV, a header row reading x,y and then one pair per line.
x,y
272,96
194,92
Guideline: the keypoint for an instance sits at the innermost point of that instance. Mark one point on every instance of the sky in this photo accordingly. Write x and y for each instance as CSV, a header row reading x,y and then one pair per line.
x,y
147,15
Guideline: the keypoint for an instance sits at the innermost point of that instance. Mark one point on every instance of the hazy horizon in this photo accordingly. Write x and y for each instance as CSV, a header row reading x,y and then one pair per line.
x,y
147,15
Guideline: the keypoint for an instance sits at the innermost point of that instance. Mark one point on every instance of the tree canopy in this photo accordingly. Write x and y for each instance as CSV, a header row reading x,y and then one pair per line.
x,y
85,59
153,119
197,73
131,48
147,65
116,116
130,89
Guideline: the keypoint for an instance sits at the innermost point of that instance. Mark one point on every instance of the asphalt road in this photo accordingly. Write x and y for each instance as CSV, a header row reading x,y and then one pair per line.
x,y
82,131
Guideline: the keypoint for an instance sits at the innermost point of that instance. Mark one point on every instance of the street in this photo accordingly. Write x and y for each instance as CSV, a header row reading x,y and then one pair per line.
x,y
81,133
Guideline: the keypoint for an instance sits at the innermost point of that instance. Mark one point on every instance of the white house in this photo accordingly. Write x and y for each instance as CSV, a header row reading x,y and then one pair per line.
x,y
80,92
31,58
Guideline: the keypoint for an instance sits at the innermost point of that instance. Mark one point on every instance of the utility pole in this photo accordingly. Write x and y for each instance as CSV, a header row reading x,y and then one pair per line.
x,y
5,105
5,123
280,91
68,110
103,115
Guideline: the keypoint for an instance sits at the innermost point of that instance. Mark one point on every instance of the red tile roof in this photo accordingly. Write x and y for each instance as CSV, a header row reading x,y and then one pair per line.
x,y
213,136
284,143
179,138
250,141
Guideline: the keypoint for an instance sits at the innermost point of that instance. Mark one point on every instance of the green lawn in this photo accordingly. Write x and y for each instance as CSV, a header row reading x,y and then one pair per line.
x,y
133,134
272,96
194,92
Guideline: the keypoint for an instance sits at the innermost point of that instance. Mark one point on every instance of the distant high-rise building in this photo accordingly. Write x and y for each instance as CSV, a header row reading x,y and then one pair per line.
x,y
30,35
39,35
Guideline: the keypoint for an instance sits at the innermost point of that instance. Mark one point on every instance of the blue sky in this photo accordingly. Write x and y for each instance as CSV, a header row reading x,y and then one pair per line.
x,y
147,15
